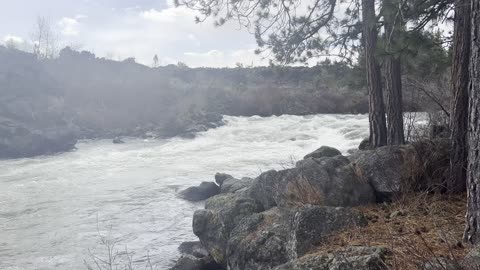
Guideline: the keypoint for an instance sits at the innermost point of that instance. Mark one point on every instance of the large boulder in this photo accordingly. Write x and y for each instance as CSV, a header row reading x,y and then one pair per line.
x,y
393,169
385,168
324,151
312,224
232,185
271,238
221,215
352,258
199,193
260,241
329,181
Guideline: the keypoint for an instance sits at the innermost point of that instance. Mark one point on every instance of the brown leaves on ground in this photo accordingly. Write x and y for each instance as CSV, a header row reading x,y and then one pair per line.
x,y
417,229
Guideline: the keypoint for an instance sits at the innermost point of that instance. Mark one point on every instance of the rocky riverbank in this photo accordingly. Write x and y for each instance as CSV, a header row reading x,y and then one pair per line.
x,y
277,220
47,105
19,139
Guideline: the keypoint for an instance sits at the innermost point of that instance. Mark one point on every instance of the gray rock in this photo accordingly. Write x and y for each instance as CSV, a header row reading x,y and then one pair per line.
x,y
271,238
388,169
324,151
189,262
221,215
329,181
312,224
365,145
220,177
353,258
264,188
232,185
202,192
194,248
260,241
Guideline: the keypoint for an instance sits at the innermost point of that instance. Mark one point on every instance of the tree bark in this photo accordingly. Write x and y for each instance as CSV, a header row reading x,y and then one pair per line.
x,y
393,73
472,229
459,106
377,122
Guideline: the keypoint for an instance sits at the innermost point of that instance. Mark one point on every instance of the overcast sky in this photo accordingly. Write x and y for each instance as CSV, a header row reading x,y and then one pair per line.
x,y
132,28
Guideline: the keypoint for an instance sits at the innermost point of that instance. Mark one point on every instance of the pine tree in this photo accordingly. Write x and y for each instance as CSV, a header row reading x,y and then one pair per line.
x,y
472,229
459,105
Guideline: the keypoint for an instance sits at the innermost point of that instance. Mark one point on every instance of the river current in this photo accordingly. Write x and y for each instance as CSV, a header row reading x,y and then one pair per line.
x,y
56,210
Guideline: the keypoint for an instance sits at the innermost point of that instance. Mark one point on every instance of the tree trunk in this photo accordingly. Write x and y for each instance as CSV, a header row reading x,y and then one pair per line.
x,y
460,80
472,229
393,73
378,129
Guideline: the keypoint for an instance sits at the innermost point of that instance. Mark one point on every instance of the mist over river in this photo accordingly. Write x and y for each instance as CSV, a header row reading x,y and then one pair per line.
x,y
53,208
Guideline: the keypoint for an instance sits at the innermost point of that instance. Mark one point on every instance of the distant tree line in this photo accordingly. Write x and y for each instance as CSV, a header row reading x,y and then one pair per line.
x,y
108,97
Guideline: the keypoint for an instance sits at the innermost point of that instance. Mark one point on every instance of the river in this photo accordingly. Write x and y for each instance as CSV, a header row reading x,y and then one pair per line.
x,y
55,210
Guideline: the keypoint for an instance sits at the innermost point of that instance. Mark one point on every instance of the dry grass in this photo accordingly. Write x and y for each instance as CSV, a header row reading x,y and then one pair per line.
x,y
416,229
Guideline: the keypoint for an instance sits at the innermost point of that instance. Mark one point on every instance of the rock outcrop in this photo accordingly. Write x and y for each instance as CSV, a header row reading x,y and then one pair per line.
x,y
319,181
221,215
390,170
276,220
201,192
271,238
18,140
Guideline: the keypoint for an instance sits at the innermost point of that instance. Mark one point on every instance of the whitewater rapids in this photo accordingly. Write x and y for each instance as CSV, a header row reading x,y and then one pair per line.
x,y
54,210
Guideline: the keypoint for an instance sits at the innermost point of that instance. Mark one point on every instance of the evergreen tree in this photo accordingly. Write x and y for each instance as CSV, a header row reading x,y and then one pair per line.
x,y
459,105
378,129
472,229
393,26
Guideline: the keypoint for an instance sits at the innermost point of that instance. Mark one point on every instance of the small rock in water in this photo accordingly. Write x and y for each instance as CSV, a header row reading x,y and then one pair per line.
x,y
199,193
